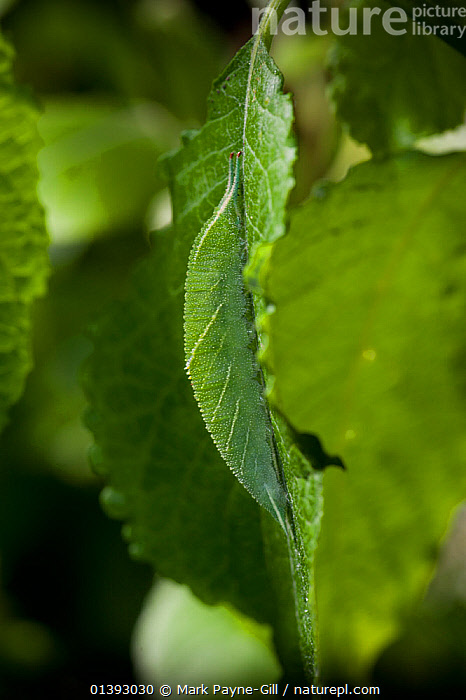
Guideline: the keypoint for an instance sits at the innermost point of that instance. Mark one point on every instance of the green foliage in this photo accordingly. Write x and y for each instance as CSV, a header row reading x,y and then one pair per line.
x,y
361,353
369,292
392,90
164,474
118,376
351,325
23,240
100,154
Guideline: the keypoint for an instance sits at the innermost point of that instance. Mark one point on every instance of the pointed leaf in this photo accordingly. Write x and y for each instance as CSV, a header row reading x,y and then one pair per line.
x,y
146,450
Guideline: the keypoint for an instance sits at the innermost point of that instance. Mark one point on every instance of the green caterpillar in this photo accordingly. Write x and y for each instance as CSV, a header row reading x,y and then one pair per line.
x,y
220,344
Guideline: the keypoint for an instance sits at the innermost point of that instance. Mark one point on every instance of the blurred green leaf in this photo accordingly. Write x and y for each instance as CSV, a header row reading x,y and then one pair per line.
x,y
201,644
367,348
23,239
98,167
392,89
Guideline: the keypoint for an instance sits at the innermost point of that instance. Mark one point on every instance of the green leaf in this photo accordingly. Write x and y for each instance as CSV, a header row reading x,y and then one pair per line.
x,y
393,89
23,240
147,428
220,344
367,349
185,513
215,519
259,119
147,446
